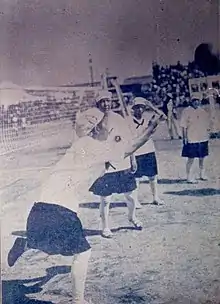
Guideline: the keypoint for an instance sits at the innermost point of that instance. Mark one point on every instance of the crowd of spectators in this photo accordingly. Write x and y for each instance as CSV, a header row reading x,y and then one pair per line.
x,y
34,112
172,80
39,110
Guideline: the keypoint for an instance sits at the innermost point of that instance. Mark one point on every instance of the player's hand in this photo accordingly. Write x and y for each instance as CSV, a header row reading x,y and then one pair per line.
x,y
133,168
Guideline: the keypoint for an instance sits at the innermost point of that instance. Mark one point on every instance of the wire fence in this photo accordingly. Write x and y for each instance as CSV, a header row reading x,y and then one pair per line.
x,y
41,113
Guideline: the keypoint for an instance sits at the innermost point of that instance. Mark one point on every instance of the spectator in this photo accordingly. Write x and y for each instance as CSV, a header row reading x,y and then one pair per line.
x,y
169,110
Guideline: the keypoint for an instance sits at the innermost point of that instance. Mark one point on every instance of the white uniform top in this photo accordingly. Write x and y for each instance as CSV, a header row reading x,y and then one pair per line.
x,y
197,123
118,130
139,127
73,175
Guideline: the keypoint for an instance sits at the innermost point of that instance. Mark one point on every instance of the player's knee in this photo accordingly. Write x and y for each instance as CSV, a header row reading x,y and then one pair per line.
x,y
105,204
152,178
190,160
105,201
128,195
82,256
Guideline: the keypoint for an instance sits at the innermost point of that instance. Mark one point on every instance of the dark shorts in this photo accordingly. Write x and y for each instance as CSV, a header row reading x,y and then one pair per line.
x,y
196,150
146,165
114,182
55,230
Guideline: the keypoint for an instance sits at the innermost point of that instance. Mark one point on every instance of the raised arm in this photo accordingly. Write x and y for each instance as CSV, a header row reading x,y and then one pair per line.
x,y
144,137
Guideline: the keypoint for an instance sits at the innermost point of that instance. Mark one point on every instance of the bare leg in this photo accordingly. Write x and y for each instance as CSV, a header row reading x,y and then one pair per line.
x,y
154,190
79,272
131,210
104,214
177,128
202,170
135,195
188,169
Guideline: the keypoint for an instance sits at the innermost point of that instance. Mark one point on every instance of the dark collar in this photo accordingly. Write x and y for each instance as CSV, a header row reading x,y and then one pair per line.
x,y
138,123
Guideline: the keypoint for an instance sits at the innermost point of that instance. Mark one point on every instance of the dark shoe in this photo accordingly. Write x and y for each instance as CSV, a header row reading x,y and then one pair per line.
x,y
19,247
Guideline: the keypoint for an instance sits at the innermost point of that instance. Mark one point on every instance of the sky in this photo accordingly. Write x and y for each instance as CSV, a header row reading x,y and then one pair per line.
x,y
48,42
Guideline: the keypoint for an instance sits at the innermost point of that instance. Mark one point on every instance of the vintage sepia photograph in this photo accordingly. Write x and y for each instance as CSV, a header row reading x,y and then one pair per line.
x,y
110,151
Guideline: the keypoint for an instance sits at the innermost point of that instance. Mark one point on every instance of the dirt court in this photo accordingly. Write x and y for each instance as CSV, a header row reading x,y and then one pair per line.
x,y
175,259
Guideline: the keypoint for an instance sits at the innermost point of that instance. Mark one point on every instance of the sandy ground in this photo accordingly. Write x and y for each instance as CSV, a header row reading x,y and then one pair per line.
x,y
175,259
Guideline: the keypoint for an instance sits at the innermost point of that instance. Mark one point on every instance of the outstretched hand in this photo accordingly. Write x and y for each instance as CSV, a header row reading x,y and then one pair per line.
x,y
133,164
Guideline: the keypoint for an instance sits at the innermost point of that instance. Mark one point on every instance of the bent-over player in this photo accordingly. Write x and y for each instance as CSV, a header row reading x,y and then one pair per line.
x,y
53,225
